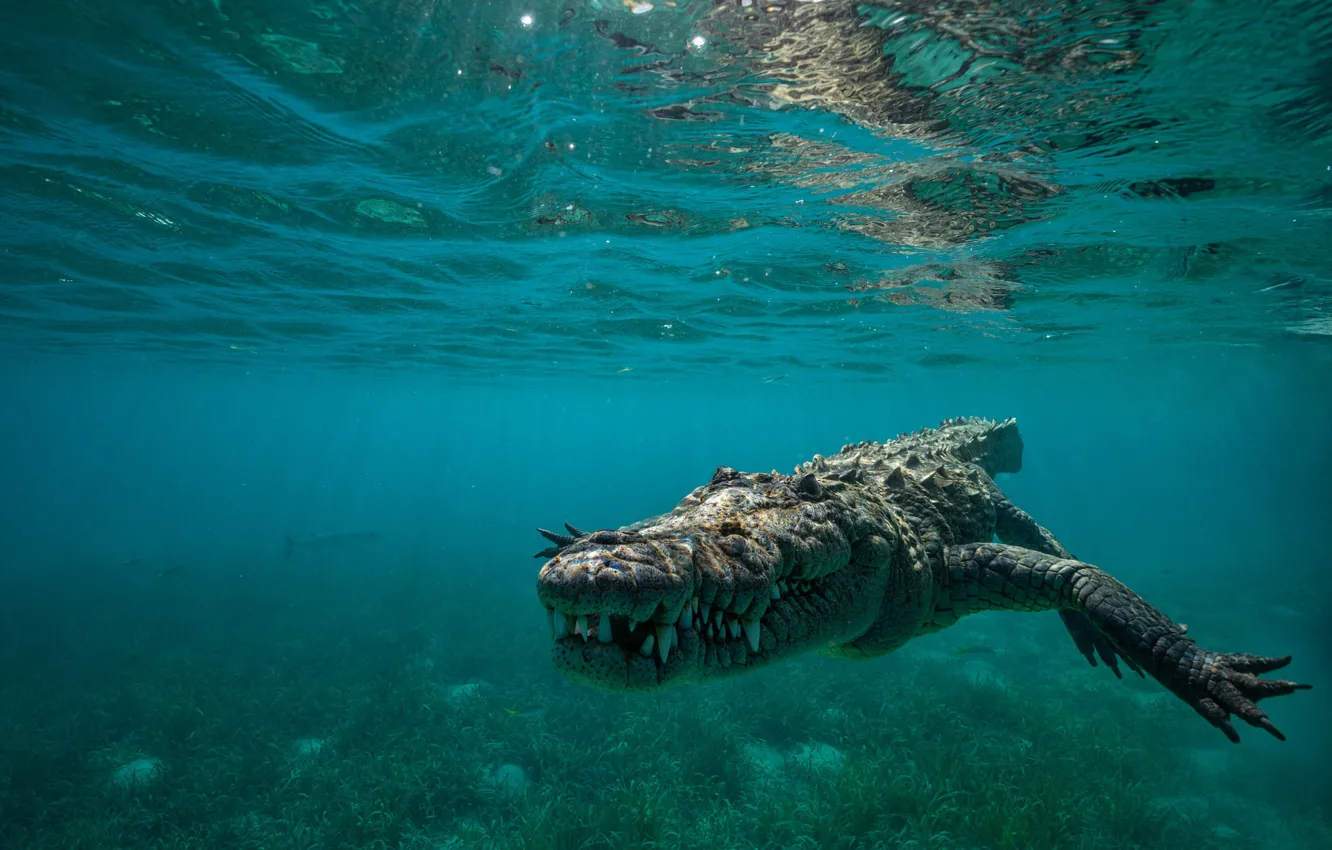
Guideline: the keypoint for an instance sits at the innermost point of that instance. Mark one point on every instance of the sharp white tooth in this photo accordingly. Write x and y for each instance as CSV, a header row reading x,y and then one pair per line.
x,y
687,618
693,603
633,624
678,612
718,620
646,649
560,625
752,634
604,629
705,611
733,626
581,626
550,620
775,593
664,641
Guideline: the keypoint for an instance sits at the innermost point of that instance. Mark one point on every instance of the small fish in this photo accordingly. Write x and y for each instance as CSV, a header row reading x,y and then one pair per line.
x,y
526,715
625,369
177,569
976,650
132,562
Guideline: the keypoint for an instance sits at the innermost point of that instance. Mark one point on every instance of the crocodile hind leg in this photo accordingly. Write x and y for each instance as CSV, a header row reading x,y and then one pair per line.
x,y
995,576
1017,527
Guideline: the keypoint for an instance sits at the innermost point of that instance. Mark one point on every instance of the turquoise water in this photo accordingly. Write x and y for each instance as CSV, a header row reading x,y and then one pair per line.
x,y
447,271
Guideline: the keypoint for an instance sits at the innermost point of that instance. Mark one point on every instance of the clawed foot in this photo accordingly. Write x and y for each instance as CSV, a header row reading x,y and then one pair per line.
x,y
604,537
1219,685
1091,643
561,541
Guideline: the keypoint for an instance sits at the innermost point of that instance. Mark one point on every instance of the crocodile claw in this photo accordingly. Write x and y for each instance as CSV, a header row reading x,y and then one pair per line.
x,y
558,539
1226,684
561,541
1091,643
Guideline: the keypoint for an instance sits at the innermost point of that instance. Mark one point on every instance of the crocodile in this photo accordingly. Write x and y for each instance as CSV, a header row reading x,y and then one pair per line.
x,y
852,556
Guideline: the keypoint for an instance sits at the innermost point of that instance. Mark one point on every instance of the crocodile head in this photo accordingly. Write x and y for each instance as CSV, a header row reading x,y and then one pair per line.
x,y
745,570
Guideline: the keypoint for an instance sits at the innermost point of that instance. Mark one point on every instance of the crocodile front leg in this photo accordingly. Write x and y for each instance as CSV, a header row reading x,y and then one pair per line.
x,y
1017,527
990,576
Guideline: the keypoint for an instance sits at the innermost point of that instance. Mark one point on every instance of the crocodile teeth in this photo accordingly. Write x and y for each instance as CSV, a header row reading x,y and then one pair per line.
x,y
559,624
733,626
646,649
633,624
752,634
740,602
581,626
705,611
665,640
717,618
604,629
774,593
687,618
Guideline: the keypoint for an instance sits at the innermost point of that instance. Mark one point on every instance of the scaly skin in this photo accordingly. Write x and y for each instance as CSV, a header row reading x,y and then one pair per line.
x,y
854,555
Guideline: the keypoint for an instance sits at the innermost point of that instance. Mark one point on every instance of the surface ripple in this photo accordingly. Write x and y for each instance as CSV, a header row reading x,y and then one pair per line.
x,y
507,188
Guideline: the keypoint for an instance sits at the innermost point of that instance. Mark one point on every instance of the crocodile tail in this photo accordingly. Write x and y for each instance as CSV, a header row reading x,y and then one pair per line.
x,y
995,446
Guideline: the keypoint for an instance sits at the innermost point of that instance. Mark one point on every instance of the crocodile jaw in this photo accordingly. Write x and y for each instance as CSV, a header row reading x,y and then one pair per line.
x,y
683,609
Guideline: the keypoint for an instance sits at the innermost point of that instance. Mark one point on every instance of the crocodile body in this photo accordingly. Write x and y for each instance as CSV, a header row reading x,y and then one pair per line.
x,y
853,555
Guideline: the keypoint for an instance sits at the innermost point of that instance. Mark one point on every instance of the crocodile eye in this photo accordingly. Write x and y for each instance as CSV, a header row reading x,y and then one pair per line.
x,y
724,474
808,486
